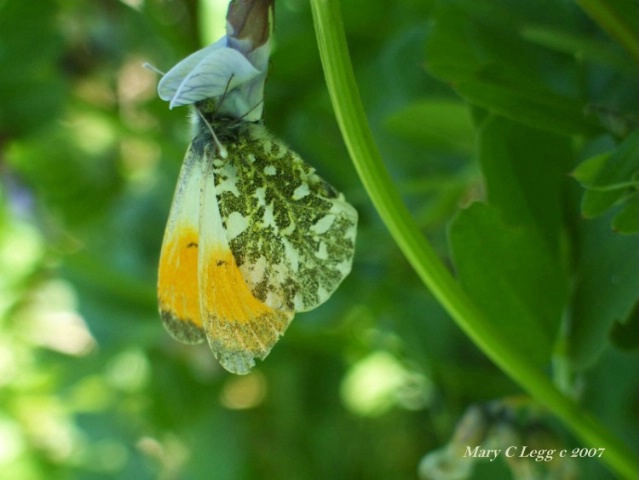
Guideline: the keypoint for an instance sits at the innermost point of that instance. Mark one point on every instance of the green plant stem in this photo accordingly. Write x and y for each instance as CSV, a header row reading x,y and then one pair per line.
x,y
368,162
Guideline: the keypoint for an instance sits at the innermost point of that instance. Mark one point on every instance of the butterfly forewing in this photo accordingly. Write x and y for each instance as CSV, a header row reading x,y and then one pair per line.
x,y
178,286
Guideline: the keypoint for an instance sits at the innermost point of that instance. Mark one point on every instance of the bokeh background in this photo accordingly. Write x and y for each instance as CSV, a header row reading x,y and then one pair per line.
x,y
92,387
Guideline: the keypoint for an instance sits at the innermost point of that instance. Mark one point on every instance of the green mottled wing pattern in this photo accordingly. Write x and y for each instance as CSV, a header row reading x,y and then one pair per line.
x,y
291,233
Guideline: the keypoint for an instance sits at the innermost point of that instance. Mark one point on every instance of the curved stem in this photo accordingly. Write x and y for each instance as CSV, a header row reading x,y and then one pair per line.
x,y
370,167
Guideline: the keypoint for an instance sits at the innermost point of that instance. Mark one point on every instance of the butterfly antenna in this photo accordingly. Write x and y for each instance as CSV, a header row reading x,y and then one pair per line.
x,y
226,91
223,97
253,108
221,148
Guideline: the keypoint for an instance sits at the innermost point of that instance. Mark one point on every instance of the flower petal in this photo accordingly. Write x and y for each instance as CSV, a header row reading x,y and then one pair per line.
x,y
246,101
207,73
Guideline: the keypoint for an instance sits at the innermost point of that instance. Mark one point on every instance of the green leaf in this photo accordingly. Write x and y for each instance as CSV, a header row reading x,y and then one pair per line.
x,y
525,169
510,94
436,123
586,173
624,334
606,288
597,202
627,220
616,170
493,67
611,178
621,169
586,47
619,18
510,274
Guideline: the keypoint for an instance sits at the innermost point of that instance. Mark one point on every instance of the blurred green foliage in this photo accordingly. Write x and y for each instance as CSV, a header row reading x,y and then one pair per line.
x,y
482,111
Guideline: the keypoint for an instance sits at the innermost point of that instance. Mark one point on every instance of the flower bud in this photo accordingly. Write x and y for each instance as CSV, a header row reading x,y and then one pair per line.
x,y
249,22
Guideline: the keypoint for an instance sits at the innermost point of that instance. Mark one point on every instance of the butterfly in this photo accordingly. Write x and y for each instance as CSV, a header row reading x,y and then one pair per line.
x,y
254,235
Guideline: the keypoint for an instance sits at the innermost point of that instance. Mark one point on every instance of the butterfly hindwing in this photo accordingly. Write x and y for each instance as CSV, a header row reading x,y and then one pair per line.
x,y
238,326
292,234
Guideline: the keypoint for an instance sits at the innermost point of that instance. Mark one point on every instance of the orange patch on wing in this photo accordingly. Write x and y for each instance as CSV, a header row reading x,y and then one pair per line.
x,y
208,298
228,298
178,288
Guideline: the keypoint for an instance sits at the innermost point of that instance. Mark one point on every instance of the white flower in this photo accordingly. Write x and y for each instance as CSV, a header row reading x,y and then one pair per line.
x,y
232,70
